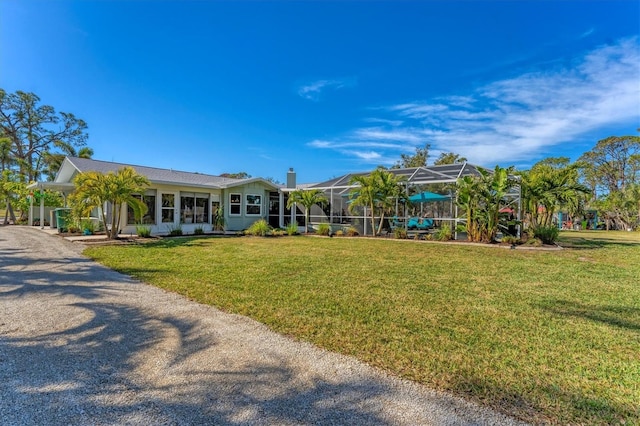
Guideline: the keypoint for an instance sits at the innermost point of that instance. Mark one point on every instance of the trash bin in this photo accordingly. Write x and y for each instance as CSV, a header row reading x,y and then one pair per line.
x,y
62,216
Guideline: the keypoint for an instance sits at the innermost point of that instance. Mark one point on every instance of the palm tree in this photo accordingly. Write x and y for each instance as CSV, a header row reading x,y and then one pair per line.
x,y
95,189
482,197
376,191
307,198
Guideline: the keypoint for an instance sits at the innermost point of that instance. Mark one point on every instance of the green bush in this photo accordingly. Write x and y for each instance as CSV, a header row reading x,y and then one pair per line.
x,y
199,230
510,239
547,234
259,228
175,230
143,231
292,229
400,233
443,234
324,229
352,232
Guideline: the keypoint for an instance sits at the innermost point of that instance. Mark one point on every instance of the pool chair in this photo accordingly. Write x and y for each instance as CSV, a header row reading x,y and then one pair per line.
x,y
420,223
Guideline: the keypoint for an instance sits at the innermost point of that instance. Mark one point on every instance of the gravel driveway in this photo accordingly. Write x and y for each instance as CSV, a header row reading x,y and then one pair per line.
x,y
81,344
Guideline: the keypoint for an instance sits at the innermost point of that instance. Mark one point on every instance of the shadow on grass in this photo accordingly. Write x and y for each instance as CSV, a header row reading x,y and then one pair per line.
x,y
589,409
624,317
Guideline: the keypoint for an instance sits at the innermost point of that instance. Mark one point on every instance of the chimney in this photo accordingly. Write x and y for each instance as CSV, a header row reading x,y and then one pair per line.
x,y
291,178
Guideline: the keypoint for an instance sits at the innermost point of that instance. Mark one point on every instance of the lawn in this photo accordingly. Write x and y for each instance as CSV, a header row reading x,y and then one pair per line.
x,y
545,336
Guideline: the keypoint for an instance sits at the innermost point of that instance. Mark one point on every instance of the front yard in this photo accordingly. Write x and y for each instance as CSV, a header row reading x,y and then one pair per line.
x,y
543,336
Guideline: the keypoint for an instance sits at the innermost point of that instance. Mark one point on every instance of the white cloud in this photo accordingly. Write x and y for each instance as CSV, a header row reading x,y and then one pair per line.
x,y
312,91
515,119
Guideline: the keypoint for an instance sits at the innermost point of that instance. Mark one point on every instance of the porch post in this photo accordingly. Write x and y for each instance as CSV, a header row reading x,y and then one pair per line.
x,y
41,208
31,210
281,209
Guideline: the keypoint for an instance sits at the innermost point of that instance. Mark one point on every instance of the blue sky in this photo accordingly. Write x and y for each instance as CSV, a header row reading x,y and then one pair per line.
x,y
329,87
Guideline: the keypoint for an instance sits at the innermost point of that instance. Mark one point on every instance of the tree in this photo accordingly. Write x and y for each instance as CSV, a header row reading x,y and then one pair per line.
x,y
239,175
449,158
550,185
307,198
481,198
53,161
378,192
613,163
419,159
612,169
36,130
95,190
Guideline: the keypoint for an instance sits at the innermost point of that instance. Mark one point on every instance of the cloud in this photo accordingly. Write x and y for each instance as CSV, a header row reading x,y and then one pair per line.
x,y
516,119
313,91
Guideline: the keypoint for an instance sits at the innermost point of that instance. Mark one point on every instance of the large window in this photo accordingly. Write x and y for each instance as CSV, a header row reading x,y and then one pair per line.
x,y
235,201
168,203
149,218
194,207
254,205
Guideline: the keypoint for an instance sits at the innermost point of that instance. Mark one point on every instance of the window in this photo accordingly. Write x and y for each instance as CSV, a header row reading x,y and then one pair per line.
x,y
168,202
234,204
194,207
254,205
149,218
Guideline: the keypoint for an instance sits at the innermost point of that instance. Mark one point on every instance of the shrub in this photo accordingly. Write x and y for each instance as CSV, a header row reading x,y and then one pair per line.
x,y
143,231
443,234
400,233
292,229
87,226
324,229
352,232
339,233
175,230
199,230
278,232
259,228
548,234
534,242
510,239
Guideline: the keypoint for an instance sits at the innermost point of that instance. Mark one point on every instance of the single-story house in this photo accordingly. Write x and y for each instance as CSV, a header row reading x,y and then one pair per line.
x,y
185,199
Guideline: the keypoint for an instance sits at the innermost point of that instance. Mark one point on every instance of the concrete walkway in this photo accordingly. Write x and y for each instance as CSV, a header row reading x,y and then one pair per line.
x,y
81,344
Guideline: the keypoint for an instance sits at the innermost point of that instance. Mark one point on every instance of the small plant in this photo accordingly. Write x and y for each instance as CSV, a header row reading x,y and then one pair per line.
x,y
400,233
87,226
218,218
143,231
259,228
352,232
534,242
548,234
175,230
278,232
324,229
339,233
199,230
292,229
443,234
510,239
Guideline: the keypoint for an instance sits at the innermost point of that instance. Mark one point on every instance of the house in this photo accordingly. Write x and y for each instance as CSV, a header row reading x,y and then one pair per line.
x,y
185,199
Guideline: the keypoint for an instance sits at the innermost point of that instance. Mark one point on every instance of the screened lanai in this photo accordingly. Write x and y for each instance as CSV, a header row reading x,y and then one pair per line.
x,y
440,207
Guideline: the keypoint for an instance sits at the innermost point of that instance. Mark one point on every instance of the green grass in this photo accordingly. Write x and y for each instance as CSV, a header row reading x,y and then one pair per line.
x,y
540,335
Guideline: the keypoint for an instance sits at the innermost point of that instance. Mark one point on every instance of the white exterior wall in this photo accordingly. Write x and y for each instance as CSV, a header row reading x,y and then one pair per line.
x,y
163,228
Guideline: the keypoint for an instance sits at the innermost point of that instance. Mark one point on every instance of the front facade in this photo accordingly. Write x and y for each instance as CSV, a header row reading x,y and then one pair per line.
x,y
183,200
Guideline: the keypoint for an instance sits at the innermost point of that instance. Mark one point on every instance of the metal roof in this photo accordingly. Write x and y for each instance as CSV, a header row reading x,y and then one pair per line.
x,y
447,173
155,174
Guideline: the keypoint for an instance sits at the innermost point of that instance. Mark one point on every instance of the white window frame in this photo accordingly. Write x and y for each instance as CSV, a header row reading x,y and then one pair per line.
x,y
247,204
239,204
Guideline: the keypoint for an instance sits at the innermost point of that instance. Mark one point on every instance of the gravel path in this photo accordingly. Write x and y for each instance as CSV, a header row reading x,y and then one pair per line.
x,y
81,344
